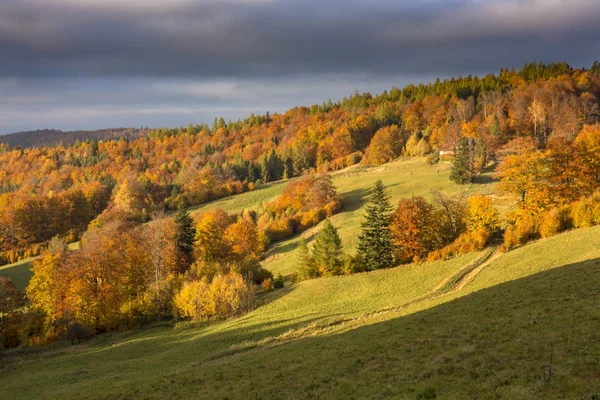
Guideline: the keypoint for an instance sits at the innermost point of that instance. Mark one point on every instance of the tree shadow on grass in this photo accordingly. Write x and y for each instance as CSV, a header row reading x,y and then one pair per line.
x,y
357,198
487,175
493,343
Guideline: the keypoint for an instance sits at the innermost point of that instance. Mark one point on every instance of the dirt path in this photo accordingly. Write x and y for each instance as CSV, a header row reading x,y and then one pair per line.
x,y
453,284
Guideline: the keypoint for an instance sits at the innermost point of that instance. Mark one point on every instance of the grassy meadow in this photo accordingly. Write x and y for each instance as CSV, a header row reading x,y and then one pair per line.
x,y
20,272
335,337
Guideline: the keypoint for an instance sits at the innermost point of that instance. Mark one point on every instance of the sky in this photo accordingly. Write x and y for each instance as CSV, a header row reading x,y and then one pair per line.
x,y
91,64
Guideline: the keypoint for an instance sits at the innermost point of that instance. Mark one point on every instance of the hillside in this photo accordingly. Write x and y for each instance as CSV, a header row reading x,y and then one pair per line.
x,y
329,338
403,178
199,163
181,302
52,137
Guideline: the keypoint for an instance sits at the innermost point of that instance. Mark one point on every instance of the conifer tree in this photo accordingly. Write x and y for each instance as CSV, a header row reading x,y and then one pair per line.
x,y
495,128
185,238
305,263
375,245
462,166
327,251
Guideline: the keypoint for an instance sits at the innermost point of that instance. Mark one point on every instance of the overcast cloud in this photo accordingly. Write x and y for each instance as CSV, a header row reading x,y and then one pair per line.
x,y
86,64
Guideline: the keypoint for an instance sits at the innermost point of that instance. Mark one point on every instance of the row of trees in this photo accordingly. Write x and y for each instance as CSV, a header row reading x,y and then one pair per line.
x,y
555,188
415,230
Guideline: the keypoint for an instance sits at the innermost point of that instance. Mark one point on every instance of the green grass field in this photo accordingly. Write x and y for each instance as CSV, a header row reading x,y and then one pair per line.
x,y
248,200
20,272
385,334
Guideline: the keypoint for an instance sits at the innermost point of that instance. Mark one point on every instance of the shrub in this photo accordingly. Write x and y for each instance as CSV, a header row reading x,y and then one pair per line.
x,y
527,228
333,207
224,296
278,282
267,284
292,277
481,214
279,229
510,238
309,219
353,158
586,212
433,158
468,242
352,265
554,222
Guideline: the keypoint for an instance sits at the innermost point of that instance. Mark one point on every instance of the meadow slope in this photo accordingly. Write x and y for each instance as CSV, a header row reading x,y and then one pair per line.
x,y
335,337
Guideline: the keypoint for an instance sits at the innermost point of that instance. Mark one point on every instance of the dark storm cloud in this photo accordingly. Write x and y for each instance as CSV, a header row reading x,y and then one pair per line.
x,y
265,38
78,64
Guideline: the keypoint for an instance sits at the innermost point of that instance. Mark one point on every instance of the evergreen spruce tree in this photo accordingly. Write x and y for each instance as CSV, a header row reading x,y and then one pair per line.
x,y
495,128
305,263
462,166
596,68
185,238
375,247
327,251
480,155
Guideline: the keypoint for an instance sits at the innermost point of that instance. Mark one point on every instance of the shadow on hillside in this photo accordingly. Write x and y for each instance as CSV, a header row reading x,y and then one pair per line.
x,y
357,198
493,343
485,179
487,175
487,344
288,245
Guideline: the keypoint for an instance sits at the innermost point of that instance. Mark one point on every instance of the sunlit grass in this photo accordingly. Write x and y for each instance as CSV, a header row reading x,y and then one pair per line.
x,y
20,272
372,335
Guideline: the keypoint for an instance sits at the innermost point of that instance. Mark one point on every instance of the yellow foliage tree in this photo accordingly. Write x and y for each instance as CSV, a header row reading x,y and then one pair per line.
x,y
481,214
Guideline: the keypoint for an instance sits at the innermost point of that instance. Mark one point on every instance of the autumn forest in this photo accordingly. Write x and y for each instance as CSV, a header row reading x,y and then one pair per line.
x,y
142,257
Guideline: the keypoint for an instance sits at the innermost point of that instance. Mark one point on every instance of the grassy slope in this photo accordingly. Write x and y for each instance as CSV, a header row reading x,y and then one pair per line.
x,y
248,200
339,338
402,179
20,272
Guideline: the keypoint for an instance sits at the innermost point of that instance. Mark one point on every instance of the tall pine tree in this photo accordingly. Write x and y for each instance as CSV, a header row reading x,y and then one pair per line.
x,y
375,247
185,238
307,268
327,251
462,166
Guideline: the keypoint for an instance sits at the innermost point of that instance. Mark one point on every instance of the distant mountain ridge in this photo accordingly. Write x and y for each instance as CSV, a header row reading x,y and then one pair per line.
x,y
51,137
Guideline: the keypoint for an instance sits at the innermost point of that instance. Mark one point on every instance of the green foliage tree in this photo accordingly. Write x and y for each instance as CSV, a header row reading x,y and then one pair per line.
x,y
304,262
327,252
375,247
495,128
462,166
596,68
185,238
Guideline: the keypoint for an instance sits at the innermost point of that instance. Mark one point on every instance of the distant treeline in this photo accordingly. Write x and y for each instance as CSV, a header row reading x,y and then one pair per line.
x,y
51,137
